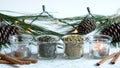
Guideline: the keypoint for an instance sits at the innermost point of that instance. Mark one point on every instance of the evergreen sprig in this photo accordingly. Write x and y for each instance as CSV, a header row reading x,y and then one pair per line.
x,y
35,30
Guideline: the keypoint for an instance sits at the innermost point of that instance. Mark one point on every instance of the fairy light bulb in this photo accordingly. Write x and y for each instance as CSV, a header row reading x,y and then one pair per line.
x,y
74,31
27,31
16,22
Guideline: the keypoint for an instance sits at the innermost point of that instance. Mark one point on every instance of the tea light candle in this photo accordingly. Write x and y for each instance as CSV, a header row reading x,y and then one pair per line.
x,y
99,45
100,49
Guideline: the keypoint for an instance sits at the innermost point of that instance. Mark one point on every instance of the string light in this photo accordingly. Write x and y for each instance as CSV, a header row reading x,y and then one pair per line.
x,y
58,22
29,28
27,31
16,22
75,31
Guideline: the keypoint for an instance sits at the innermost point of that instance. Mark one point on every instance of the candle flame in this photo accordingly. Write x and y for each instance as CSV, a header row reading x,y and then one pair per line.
x,y
99,46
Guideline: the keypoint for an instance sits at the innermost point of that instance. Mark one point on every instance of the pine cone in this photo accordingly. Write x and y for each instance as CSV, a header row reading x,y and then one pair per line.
x,y
113,31
86,26
6,31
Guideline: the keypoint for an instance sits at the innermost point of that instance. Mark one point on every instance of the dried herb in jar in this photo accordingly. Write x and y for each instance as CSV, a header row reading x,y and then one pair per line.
x,y
73,46
47,46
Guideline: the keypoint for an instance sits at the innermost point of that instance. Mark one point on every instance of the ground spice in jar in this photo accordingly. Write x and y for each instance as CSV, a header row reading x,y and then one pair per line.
x,y
73,46
47,46
18,54
21,51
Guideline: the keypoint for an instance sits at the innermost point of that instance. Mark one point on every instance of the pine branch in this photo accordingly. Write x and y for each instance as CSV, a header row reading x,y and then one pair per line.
x,y
24,26
37,30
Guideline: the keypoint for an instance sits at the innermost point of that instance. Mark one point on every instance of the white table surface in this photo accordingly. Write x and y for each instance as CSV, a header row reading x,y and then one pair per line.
x,y
61,62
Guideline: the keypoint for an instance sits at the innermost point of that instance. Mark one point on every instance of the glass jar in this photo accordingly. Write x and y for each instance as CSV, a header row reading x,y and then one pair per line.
x,y
99,45
73,46
20,45
48,46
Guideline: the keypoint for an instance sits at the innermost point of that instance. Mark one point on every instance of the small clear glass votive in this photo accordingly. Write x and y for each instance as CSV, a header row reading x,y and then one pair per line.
x,y
73,46
20,45
99,46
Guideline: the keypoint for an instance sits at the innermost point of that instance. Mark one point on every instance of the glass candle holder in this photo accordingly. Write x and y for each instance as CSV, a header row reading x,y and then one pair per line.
x,y
20,45
99,46
73,46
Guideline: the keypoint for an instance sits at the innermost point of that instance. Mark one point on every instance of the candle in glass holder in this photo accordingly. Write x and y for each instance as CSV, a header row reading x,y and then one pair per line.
x,y
100,49
99,46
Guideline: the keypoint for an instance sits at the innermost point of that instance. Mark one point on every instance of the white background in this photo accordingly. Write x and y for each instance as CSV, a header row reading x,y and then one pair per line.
x,y
62,8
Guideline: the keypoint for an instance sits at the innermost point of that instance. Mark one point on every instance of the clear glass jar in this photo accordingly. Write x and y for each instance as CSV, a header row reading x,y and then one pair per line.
x,y
48,46
20,45
99,46
73,46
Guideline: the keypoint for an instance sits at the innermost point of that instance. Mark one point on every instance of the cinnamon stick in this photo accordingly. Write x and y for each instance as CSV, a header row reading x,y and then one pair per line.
x,y
105,59
10,59
114,60
4,62
32,60
26,62
7,62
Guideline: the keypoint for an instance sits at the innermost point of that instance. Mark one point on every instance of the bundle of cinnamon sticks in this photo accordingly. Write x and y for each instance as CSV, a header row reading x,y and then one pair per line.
x,y
4,59
114,56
